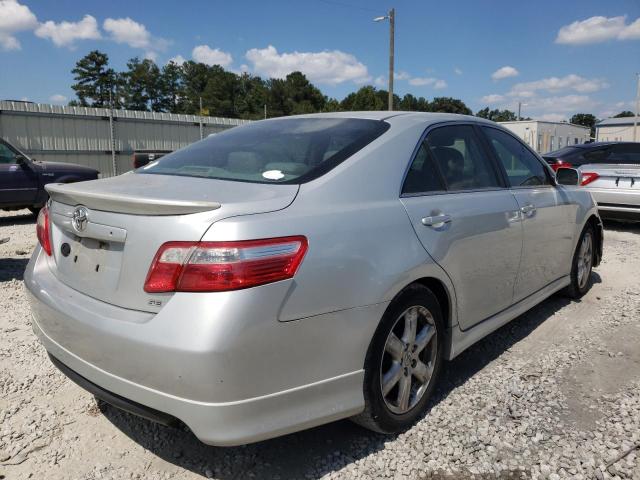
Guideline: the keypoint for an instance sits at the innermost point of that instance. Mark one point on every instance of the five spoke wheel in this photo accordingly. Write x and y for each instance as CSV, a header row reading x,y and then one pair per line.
x,y
409,359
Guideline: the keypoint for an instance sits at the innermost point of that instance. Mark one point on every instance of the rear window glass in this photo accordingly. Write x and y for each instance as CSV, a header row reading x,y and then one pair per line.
x,y
290,150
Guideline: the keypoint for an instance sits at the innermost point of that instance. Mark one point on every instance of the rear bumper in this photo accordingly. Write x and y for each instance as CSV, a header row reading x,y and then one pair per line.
x,y
612,203
261,379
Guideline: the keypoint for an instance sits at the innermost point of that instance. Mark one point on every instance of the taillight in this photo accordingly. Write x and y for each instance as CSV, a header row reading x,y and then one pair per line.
x,y
588,177
560,164
43,230
222,266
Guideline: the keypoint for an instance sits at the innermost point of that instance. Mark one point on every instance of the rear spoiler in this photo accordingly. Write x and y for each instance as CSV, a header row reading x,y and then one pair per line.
x,y
69,194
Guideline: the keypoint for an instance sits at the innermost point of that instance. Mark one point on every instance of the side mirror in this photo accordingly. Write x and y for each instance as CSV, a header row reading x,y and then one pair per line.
x,y
568,176
21,160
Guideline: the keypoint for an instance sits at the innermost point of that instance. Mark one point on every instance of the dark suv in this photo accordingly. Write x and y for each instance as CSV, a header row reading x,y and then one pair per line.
x,y
22,179
598,152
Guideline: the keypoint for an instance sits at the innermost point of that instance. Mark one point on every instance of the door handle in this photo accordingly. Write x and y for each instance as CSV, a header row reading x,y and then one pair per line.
x,y
436,220
528,210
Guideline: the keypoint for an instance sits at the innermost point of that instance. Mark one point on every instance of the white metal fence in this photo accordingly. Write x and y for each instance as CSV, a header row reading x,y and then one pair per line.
x,y
83,135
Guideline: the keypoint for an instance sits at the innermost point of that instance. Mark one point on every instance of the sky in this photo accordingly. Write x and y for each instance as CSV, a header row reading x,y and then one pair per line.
x,y
555,57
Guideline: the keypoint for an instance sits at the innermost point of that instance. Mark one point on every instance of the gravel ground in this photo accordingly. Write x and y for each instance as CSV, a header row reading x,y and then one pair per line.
x,y
554,394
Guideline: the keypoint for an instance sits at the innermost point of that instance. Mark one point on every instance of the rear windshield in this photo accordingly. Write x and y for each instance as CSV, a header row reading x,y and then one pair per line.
x,y
288,150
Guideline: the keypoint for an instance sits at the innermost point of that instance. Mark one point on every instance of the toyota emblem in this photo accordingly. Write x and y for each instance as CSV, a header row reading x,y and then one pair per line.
x,y
80,218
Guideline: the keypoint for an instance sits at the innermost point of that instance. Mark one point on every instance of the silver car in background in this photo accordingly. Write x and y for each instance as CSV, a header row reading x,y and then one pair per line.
x,y
295,271
611,173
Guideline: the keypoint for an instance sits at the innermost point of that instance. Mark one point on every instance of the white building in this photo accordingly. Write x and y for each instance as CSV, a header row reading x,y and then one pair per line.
x,y
546,137
617,130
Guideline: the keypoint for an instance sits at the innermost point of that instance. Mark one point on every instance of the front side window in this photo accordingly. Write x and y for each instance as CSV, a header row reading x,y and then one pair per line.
x,y
288,150
7,156
457,154
523,168
628,154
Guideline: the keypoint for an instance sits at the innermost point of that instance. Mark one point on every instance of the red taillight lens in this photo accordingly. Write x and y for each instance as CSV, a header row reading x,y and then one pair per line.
x,y
43,230
222,266
561,164
588,177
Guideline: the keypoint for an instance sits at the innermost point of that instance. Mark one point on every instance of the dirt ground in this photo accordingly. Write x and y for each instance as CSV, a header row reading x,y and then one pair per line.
x,y
554,394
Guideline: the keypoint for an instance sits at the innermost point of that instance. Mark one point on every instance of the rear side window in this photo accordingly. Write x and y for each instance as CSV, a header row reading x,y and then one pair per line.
x,y
457,154
595,156
288,150
523,167
422,176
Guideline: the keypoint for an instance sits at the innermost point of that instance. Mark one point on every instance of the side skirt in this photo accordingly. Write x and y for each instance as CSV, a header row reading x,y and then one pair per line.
x,y
461,340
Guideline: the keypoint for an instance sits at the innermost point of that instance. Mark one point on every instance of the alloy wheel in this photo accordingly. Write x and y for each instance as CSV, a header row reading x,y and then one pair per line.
x,y
409,359
585,260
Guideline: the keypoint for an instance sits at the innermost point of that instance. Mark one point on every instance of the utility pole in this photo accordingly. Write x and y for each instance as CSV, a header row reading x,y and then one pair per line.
x,y
391,16
265,111
519,108
392,33
635,119
112,136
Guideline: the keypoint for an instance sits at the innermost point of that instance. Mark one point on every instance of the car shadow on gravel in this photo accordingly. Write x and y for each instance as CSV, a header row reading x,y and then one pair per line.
x,y
22,219
321,450
12,268
620,226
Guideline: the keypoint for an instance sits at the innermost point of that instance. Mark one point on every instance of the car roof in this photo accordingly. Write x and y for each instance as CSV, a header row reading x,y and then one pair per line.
x,y
394,116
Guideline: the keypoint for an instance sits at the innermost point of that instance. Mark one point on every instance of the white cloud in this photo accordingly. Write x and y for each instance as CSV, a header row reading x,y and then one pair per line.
x,y
493,98
631,32
57,98
380,81
128,31
14,18
328,67
211,56
64,34
178,60
552,117
557,84
457,71
401,76
440,84
504,72
598,29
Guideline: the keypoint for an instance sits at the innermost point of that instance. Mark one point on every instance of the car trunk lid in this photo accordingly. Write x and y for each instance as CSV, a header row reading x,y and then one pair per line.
x,y
120,222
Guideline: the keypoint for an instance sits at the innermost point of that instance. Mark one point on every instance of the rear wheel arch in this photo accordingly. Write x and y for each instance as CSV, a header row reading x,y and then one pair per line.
x,y
596,224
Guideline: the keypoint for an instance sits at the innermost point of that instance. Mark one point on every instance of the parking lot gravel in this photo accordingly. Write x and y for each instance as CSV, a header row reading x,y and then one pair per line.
x,y
554,394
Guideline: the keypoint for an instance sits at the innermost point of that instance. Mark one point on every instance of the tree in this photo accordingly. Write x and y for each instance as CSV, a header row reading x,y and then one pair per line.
x,y
449,105
586,120
625,113
171,87
366,98
143,86
95,81
496,115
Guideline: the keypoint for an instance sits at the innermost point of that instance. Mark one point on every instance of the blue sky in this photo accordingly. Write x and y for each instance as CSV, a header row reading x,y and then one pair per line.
x,y
557,57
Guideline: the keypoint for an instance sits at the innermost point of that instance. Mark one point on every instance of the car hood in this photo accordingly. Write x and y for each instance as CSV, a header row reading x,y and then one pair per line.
x,y
61,167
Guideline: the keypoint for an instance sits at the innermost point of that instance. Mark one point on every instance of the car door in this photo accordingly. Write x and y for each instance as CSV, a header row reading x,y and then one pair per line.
x,y
466,219
548,213
18,183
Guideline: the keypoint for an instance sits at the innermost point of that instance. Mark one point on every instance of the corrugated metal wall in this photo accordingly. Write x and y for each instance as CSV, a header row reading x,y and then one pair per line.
x,y
82,135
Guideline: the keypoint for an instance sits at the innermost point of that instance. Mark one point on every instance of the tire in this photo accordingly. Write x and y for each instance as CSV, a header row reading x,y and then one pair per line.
x,y
34,210
582,265
392,412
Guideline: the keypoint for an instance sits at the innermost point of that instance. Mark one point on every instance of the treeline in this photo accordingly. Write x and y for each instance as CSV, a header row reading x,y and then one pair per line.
x,y
195,88
181,88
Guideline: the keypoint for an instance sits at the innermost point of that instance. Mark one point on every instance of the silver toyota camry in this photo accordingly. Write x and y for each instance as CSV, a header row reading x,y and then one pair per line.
x,y
296,271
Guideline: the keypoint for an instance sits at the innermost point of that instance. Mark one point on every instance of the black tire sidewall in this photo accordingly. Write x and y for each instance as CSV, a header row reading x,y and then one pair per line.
x,y
386,420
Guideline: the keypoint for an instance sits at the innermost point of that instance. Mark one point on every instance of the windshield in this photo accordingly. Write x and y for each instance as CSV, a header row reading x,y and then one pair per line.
x,y
289,150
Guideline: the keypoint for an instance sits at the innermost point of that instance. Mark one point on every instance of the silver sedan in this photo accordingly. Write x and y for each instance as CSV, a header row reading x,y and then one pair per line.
x,y
296,271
